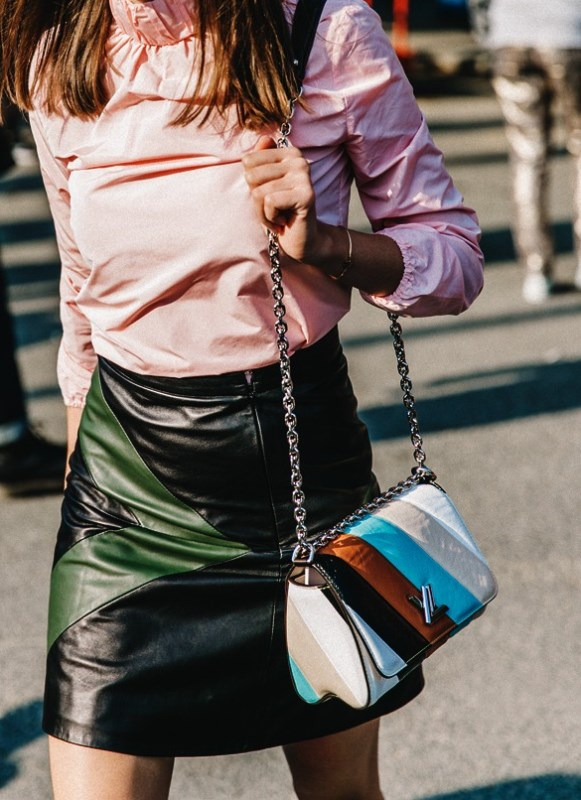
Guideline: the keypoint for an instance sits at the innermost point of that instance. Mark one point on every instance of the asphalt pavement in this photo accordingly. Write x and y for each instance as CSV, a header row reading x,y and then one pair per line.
x,y
499,395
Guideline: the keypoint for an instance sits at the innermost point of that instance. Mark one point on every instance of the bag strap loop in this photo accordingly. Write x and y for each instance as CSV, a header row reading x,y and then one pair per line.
x,y
305,22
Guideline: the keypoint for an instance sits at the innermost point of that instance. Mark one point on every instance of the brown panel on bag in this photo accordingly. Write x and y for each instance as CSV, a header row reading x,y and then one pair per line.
x,y
388,582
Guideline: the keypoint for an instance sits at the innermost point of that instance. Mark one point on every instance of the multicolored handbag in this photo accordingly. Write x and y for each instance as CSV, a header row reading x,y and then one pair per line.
x,y
370,598
383,594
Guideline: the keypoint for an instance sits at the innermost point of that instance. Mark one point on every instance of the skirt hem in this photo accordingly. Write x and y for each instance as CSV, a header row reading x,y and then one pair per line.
x,y
85,737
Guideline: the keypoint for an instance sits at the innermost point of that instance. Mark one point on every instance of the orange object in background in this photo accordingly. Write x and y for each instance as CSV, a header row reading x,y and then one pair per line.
x,y
400,29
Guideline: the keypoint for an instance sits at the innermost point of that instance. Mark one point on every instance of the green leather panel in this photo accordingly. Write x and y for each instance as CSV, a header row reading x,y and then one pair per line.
x,y
119,471
106,566
372,491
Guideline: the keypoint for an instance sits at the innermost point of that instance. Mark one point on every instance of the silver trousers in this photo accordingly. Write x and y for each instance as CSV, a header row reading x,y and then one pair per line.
x,y
527,82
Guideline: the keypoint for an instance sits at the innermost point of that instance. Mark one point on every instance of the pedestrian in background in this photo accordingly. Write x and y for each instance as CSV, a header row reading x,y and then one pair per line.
x,y
537,61
28,463
166,621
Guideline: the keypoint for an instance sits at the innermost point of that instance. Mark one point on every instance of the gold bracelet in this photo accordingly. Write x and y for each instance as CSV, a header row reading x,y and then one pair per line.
x,y
348,262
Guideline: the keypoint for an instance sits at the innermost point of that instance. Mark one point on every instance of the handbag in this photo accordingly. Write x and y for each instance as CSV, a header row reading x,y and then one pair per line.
x,y
370,598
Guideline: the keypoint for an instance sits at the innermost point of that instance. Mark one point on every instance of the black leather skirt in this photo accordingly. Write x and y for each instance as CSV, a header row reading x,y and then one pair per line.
x,y
166,625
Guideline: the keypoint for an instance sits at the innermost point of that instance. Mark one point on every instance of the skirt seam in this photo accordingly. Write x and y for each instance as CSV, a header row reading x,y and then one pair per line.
x,y
136,588
123,522
191,509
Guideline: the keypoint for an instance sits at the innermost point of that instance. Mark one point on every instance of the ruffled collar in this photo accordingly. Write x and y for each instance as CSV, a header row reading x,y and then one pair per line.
x,y
155,22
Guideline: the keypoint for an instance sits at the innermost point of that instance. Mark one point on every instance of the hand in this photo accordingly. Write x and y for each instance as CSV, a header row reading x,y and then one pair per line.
x,y
283,194
281,188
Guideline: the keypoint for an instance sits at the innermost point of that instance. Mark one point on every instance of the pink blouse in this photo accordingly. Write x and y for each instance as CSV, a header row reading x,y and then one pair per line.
x,y
164,262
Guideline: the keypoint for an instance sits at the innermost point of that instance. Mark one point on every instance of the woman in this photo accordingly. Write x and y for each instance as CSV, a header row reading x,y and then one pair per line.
x,y
154,123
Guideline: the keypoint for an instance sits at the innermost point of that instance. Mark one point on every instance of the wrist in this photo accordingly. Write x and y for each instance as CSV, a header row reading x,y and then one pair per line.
x,y
333,250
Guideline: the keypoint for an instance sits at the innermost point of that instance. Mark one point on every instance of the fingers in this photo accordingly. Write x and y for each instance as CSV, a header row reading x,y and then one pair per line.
x,y
265,143
266,152
267,173
280,184
280,208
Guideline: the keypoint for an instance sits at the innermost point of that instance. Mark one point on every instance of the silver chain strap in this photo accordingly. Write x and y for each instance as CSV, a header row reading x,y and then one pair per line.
x,y
304,551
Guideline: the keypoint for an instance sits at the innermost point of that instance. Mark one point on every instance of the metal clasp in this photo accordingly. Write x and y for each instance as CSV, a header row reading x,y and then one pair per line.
x,y
424,474
427,604
299,557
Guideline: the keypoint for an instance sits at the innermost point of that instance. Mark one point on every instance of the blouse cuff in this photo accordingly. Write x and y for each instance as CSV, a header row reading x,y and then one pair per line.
x,y
75,401
74,378
412,262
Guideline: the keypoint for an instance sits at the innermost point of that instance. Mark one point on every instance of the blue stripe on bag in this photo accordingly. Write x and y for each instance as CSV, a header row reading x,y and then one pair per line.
x,y
303,687
417,566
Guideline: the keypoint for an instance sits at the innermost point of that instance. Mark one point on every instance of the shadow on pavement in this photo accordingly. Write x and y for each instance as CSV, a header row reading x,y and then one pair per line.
x,y
43,392
497,244
468,323
27,231
36,326
18,728
28,182
518,392
482,157
449,125
33,273
542,787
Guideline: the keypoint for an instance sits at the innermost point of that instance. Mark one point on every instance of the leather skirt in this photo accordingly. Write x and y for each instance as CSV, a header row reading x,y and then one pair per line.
x,y
166,623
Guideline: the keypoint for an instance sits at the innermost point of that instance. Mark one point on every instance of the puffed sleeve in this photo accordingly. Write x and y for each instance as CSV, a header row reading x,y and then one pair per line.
x,y
404,187
76,358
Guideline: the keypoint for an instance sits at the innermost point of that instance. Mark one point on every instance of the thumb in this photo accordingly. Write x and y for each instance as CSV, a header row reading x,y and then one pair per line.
x,y
265,143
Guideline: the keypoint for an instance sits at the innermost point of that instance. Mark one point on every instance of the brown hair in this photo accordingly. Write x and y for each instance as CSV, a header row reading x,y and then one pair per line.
x,y
250,64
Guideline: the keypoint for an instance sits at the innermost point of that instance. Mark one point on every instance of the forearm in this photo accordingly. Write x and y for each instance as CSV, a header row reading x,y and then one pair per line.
x,y
376,261
73,421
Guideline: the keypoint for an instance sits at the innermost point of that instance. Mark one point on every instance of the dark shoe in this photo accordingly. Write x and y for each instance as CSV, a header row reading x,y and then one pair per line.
x,y
32,465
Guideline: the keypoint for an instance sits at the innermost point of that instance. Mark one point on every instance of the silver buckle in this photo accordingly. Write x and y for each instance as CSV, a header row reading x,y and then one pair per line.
x,y
427,604
298,556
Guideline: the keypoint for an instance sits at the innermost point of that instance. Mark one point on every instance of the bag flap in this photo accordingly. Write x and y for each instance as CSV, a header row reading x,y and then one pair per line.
x,y
386,637
431,549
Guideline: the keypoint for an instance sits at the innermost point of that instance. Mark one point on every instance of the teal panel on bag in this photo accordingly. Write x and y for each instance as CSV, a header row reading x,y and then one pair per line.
x,y
417,566
106,566
302,686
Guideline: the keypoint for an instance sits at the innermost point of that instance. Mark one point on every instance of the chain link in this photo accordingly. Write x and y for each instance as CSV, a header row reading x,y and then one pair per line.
x,y
288,402
305,550
409,400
